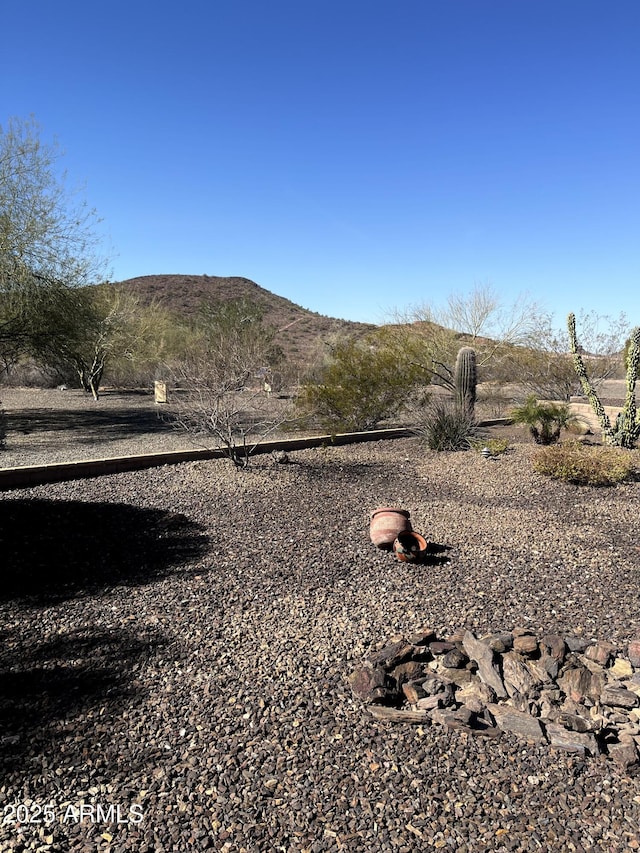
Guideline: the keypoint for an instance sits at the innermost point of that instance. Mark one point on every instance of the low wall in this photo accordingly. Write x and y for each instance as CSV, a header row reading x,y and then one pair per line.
x,y
586,414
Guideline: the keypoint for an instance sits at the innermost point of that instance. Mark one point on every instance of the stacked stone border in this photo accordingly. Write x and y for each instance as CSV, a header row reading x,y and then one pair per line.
x,y
575,694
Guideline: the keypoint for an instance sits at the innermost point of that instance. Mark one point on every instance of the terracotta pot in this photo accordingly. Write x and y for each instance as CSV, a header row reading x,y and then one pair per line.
x,y
410,547
386,524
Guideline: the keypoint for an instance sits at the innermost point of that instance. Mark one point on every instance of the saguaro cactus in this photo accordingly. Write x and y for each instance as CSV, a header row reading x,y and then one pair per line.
x,y
466,379
626,430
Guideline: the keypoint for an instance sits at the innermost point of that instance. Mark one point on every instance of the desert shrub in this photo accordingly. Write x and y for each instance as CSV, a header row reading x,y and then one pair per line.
x,y
446,426
587,465
363,383
495,445
545,420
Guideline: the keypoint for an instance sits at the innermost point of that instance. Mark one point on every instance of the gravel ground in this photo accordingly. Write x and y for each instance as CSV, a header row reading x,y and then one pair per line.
x,y
47,425
176,644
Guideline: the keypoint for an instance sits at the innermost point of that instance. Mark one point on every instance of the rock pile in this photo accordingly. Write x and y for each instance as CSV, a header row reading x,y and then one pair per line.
x,y
576,694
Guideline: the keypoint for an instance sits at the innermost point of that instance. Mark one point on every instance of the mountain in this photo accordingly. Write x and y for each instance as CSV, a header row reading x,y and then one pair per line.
x,y
299,332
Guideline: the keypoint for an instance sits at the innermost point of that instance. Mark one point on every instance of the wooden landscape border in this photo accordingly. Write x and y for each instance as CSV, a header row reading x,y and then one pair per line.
x,y
37,475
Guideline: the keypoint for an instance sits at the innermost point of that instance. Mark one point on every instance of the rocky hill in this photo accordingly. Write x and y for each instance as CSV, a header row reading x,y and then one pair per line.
x,y
300,332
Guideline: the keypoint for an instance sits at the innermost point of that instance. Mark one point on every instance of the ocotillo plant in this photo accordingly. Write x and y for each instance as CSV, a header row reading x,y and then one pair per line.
x,y
626,430
466,379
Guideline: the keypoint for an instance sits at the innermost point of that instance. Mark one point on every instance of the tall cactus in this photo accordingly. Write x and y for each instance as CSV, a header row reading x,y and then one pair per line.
x,y
626,430
466,379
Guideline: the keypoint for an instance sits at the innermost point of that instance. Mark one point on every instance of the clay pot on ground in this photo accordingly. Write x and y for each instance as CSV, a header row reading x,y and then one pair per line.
x,y
387,523
410,547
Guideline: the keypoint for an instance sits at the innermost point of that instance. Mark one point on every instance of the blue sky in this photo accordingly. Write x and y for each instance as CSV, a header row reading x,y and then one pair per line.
x,y
350,155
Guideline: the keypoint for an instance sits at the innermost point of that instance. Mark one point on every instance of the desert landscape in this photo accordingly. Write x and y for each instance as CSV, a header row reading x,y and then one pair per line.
x,y
178,645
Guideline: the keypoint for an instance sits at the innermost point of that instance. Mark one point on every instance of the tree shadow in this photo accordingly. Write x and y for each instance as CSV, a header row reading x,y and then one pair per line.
x,y
91,425
71,686
56,550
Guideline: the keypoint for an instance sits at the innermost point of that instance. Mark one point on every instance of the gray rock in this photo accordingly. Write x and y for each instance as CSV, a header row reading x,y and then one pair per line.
x,y
487,670
577,644
625,753
555,646
570,741
517,677
619,697
455,659
517,722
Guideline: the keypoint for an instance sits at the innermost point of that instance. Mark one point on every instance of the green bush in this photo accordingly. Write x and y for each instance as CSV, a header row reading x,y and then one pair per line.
x,y
495,445
446,426
363,383
585,465
545,420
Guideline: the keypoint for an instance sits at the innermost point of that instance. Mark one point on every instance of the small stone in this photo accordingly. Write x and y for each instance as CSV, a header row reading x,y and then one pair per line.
x,y
621,668
487,670
519,723
455,659
555,645
634,652
569,741
525,644
619,697
600,652
624,753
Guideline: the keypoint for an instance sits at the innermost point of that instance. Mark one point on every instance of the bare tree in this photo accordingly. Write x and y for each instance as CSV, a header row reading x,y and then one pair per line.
x,y
545,367
478,319
222,382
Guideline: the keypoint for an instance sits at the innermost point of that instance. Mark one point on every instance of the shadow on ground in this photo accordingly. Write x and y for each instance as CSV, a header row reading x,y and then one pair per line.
x,y
55,550
99,424
68,689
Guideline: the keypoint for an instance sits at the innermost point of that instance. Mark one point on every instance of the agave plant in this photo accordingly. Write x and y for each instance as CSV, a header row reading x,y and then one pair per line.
x,y
545,420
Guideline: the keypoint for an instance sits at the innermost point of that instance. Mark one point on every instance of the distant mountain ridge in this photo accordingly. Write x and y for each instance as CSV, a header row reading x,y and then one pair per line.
x,y
300,332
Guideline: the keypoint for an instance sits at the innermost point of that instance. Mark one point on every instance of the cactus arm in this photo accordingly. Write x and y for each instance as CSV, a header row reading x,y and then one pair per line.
x,y
589,391
629,423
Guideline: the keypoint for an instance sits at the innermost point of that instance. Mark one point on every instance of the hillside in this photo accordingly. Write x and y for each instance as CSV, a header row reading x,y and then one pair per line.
x,y
300,331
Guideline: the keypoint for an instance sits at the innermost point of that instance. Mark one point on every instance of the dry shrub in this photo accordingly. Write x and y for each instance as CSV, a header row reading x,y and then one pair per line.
x,y
587,465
